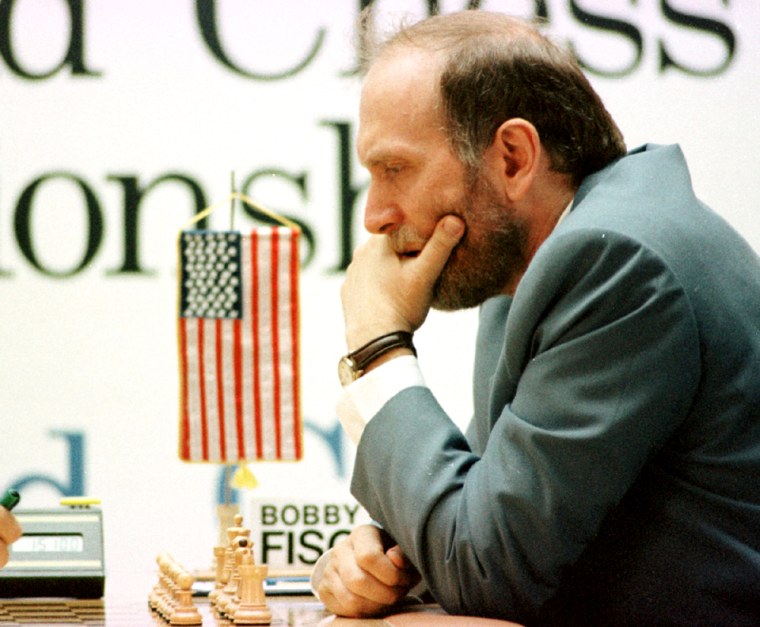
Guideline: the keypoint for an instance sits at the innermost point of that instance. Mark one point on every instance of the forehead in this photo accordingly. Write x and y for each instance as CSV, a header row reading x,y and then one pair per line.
x,y
399,106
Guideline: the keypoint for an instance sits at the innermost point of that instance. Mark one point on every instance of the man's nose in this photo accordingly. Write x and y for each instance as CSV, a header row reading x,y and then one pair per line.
x,y
382,213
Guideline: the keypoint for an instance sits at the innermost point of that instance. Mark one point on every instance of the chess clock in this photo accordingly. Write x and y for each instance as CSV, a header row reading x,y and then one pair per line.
x,y
60,553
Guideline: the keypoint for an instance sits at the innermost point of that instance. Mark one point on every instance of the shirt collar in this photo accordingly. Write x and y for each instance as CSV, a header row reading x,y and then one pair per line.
x,y
566,210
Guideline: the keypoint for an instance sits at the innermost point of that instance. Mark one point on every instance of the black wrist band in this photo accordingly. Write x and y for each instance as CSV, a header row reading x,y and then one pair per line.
x,y
353,365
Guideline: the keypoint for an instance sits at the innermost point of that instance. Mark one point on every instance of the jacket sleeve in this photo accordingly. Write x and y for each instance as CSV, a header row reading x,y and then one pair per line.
x,y
599,362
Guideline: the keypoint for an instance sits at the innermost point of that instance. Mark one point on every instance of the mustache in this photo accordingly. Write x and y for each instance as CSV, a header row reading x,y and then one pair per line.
x,y
407,242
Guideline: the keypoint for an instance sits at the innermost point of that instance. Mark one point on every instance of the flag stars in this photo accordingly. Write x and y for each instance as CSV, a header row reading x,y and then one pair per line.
x,y
210,274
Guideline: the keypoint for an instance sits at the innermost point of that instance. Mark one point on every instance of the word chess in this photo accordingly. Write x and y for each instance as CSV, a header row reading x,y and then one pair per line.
x,y
238,593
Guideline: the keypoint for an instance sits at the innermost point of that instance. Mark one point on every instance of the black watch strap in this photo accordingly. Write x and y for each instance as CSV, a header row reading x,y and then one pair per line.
x,y
364,356
353,365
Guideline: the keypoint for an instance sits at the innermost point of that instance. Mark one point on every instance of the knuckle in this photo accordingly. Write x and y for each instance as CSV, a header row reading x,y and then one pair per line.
x,y
367,559
354,580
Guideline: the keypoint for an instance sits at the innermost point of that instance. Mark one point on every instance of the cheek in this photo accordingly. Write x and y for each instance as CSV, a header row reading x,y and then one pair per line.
x,y
431,199
421,220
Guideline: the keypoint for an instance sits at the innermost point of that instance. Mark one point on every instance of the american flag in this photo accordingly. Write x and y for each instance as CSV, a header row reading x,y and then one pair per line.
x,y
239,346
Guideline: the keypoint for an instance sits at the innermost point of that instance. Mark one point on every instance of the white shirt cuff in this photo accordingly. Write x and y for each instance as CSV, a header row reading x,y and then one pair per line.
x,y
318,570
366,396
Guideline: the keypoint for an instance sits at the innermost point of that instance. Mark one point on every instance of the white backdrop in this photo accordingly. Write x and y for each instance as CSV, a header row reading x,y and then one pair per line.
x,y
102,101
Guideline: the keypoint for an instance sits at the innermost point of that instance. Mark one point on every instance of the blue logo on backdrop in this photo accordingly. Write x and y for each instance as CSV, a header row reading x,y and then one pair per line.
x,y
73,483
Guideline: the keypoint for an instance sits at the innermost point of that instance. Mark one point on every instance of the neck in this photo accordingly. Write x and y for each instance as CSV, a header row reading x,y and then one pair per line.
x,y
546,207
543,215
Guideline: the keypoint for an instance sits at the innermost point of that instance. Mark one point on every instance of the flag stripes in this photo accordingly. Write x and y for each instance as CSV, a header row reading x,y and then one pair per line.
x,y
239,368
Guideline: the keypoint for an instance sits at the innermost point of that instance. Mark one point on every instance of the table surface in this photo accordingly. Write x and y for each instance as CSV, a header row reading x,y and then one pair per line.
x,y
285,611
114,611
126,604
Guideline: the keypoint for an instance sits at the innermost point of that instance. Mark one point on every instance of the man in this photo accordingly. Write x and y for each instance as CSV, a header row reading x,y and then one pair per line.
x,y
610,472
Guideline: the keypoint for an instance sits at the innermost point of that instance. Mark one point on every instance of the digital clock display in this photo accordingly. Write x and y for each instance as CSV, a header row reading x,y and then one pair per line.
x,y
49,543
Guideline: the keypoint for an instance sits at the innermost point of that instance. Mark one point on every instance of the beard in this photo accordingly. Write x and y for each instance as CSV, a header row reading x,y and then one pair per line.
x,y
491,255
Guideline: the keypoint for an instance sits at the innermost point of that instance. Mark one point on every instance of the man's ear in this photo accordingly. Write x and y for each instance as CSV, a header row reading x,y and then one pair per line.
x,y
516,150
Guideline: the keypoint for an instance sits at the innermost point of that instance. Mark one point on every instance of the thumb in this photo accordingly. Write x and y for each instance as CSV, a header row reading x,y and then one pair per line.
x,y
445,237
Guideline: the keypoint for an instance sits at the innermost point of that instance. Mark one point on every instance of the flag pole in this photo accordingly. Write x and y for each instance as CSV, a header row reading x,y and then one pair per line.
x,y
232,200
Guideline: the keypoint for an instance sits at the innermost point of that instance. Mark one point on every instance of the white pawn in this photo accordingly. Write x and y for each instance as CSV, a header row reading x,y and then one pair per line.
x,y
184,611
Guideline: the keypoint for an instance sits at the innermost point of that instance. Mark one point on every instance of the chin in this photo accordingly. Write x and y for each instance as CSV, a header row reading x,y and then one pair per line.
x,y
456,290
458,299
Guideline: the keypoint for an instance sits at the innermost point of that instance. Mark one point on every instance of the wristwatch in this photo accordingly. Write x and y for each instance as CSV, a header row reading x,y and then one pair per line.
x,y
353,365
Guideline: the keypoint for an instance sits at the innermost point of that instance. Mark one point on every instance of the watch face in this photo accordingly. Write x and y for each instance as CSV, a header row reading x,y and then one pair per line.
x,y
346,371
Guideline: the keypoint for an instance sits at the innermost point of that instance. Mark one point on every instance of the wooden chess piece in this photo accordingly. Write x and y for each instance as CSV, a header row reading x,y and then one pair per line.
x,y
172,596
251,608
219,553
227,592
184,611
155,594
240,545
226,514
165,592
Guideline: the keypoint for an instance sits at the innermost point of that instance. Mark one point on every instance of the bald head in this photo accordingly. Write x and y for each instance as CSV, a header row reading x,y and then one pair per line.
x,y
490,67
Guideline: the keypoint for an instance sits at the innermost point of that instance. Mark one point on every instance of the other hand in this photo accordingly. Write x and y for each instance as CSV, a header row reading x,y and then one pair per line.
x,y
10,531
365,577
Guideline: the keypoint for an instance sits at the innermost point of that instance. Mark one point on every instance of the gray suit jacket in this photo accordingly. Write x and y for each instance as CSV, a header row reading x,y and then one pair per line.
x,y
611,474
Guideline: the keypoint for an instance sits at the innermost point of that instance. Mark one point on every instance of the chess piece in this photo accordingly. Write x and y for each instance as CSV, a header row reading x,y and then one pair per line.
x,y
230,584
155,594
171,597
251,607
184,611
219,553
226,514
240,545
164,592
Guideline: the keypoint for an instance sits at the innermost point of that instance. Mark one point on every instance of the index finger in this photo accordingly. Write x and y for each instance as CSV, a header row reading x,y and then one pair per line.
x,y
446,235
10,530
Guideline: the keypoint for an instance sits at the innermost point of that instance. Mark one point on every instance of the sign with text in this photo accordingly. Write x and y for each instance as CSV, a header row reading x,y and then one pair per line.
x,y
293,533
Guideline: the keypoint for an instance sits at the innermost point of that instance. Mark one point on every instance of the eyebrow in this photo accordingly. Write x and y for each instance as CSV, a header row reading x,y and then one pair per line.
x,y
382,160
386,154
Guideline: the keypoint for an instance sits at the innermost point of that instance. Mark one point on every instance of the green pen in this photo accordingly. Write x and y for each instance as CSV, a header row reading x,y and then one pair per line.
x,y
10,499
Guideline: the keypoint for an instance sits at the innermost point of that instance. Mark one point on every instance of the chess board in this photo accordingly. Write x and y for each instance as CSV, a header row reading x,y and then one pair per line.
x,y
51,612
